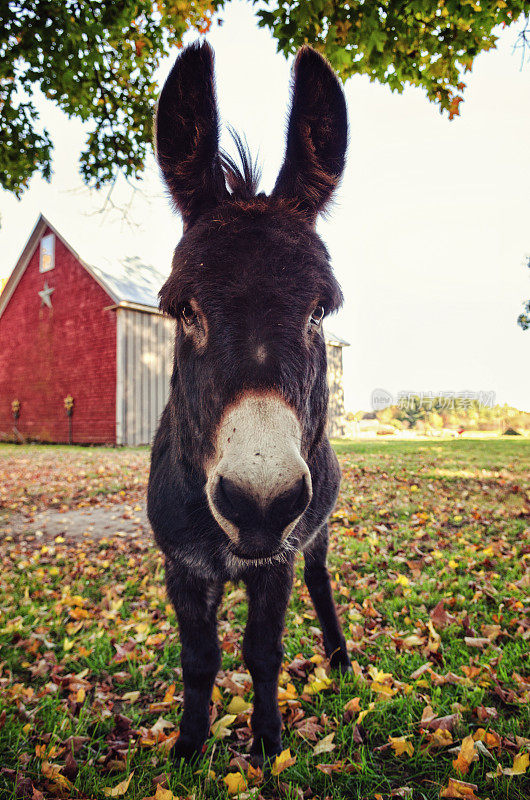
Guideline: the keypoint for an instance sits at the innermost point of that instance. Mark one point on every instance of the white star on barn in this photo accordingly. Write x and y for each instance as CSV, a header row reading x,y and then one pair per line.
x,y
44,295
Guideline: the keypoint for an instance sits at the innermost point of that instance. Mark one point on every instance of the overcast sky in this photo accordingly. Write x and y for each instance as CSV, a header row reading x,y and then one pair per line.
x,y
427,236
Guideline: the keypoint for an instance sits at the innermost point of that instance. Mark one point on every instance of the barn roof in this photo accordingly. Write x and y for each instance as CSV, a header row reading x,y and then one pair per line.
x,y
128,281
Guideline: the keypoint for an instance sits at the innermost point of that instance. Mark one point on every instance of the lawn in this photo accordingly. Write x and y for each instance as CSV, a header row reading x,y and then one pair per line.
x,y
430,558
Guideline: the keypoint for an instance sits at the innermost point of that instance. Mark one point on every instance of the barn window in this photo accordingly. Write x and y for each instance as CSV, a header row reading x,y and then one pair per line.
x,y
47,253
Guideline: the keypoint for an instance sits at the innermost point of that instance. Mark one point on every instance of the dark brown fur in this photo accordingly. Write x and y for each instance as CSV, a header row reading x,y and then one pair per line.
x,y
256,268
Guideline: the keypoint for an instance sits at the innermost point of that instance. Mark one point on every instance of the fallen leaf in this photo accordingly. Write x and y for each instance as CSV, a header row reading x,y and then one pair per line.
x,y
440,737
325,745
477,641
282,761
120,789
440,616
520,765
460,790
236,782
238,706
466,756
351,709
131,697
221,727
400,745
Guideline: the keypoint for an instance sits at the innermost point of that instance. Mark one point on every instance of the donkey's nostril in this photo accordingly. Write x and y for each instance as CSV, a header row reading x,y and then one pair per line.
x,y
289,505
231,500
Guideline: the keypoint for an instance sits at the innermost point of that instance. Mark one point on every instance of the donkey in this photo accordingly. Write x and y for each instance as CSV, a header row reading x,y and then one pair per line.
x,y
242,473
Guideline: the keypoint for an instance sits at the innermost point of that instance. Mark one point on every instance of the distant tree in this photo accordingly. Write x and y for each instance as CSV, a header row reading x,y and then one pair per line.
x,y
524,319
412,411
96,59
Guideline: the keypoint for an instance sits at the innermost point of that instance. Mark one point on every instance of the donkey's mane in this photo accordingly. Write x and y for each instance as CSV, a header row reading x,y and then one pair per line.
x,y
242,179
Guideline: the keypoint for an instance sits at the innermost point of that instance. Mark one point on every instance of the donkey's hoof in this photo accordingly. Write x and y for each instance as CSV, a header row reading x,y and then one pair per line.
x,y
185,750
262,754
340,662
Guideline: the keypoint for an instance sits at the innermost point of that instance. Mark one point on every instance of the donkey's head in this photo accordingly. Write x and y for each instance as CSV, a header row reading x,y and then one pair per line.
x,y
250,285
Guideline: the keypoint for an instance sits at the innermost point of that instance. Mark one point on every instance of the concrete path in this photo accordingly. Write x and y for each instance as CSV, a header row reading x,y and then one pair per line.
x,y
96,522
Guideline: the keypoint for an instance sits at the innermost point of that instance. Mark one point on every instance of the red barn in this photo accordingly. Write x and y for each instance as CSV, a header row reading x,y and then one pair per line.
x,y
93,332
70,328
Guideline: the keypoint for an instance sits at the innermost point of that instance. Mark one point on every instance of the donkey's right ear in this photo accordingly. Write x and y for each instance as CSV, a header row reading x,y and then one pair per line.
x,y
187,134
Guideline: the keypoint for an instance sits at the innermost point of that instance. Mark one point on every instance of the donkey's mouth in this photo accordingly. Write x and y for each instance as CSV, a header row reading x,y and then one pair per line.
x,y
260,552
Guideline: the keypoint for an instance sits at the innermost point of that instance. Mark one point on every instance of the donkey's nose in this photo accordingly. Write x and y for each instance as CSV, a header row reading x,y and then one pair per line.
x,y
246,508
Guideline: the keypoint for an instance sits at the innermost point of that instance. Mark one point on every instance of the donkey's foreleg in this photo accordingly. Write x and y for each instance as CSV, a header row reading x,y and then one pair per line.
x,y
317,579
268,590
195,603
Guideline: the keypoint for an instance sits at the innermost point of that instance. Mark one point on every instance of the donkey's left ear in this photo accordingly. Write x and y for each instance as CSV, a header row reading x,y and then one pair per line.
x,y
317,136
187,134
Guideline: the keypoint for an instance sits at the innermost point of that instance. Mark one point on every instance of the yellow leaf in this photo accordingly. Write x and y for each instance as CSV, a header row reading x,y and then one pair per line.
x,y
120,789
402,580
236,782
67,644
221,727
238,705
466,756
364,713
287,693
283,761
520,765
131,697
314,687
378,676
400,745
383,689
217,697
164,794
317,682
325,745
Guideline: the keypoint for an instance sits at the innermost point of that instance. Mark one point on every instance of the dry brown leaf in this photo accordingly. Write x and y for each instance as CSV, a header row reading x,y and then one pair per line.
x,y
459,790
440,737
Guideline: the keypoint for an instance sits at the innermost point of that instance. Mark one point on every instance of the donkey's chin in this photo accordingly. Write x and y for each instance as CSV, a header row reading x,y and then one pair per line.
x,y
242,557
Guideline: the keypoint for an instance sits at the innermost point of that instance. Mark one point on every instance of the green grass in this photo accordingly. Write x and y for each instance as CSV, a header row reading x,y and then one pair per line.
x,y
416,523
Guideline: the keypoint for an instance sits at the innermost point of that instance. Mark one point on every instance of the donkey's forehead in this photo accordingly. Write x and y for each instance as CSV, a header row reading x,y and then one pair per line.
x,y
255,240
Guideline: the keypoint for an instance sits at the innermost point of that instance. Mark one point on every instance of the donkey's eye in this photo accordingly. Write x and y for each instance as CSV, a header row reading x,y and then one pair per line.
x,y
188,314
317,316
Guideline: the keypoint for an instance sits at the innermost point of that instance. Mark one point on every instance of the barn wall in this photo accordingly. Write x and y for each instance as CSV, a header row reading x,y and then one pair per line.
x,y
336,391
48,353
145,360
